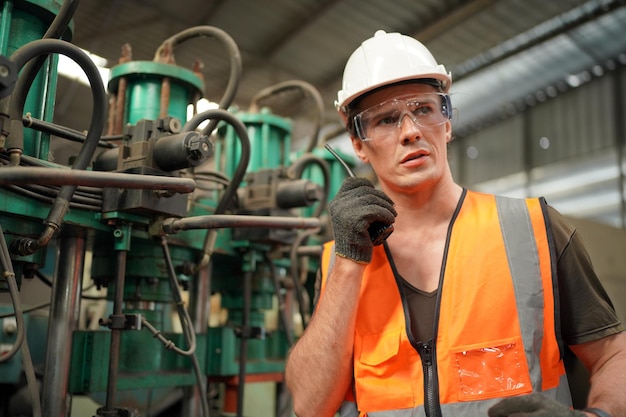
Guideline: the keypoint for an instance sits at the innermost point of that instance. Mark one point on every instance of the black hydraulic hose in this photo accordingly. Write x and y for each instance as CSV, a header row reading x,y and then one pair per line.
x,y
306,87
234,55
49,200
287,328
20,57
187,326
243,340
44,47
216,178
333,133
240,129
185,320
230,191
282,308
295,274
297,168
21,342
88,198
85,197
62,19
48,193
9,276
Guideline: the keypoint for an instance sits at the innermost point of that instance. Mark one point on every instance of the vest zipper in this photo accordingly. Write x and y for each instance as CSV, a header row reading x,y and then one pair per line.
x,y
431,400
426,350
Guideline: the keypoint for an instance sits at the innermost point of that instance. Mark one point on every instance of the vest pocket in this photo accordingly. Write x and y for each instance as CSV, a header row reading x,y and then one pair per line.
x,y
495,370
377,348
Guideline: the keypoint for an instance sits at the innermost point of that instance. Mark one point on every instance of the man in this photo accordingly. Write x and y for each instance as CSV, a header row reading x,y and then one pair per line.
x,y
466,309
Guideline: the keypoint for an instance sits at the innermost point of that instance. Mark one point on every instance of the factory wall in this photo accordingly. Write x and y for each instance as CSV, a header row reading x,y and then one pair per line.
x,y
563,143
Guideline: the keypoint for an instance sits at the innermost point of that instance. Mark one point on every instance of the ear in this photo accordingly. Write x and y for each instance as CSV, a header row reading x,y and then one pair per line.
x,y
357,145
448,131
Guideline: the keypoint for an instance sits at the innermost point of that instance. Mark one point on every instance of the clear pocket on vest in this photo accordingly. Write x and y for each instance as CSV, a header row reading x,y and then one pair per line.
x,y
496,370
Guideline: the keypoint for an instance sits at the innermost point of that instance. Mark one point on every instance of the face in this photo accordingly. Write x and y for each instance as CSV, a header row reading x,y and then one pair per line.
x,y
413,157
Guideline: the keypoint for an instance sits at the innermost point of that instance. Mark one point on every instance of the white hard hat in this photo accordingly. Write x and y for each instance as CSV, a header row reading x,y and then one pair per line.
x,y
387,58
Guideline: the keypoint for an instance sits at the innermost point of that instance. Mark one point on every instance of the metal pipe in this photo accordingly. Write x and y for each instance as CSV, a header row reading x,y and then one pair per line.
x,y
116,334
166,89
243,340
62,132
63,319
199,311
120,102
111,118
310,250
222,221
53,176
120,98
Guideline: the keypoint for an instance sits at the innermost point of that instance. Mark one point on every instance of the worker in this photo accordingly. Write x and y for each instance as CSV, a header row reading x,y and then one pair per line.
x,y
468,307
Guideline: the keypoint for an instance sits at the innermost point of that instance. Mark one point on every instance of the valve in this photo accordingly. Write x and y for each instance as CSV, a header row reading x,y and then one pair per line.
x,y
272,188
8,76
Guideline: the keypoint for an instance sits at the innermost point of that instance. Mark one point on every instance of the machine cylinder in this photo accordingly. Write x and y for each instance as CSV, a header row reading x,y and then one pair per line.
x,y
23,22
298,193
144,84
183,150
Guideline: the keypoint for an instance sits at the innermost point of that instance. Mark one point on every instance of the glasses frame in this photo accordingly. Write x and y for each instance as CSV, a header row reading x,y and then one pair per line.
x,y
446,110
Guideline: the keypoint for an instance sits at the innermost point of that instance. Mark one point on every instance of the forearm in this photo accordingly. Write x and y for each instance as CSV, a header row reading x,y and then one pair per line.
x,y
608,373
319,367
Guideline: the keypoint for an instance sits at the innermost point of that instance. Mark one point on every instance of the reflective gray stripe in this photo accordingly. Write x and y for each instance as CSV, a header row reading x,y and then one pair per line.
x,y
348,409
561,393
472,408
521,250
479,408
407,412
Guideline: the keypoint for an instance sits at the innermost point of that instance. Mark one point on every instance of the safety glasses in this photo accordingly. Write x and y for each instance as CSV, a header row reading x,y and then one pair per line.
x,y
385,119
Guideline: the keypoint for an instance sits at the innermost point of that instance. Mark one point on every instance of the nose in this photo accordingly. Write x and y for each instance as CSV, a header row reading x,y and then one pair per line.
x,y
409,129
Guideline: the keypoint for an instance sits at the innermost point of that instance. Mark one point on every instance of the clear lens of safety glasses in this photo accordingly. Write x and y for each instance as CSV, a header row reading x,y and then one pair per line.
x,y
385,119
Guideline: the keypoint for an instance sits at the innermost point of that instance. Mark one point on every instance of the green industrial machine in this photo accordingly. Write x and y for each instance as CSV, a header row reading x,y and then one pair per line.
x,y
200,238
23,22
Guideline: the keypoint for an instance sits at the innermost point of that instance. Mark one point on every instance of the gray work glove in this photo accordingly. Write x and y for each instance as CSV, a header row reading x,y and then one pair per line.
x,y
356,206
532,405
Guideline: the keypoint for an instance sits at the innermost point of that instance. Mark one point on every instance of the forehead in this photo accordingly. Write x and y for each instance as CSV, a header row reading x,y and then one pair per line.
x,y
394,91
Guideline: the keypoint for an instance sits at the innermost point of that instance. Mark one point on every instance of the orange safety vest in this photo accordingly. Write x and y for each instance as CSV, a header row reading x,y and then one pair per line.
x,y
496,323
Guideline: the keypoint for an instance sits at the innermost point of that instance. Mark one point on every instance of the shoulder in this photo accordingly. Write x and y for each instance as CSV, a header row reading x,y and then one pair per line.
x,y
559,223
563,231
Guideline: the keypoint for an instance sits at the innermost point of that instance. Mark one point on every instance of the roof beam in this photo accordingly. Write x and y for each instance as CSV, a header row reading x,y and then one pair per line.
x,y
451,19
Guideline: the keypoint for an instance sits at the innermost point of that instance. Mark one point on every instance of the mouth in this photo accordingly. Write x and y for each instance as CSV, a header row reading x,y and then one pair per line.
x,y
413,156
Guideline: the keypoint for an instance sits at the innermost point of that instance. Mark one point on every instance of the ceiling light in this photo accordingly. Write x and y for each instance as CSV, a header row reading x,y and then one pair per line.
x,y
70,69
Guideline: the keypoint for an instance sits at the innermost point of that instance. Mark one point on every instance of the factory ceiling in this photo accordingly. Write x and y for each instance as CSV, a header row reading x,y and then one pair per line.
x,y
499,51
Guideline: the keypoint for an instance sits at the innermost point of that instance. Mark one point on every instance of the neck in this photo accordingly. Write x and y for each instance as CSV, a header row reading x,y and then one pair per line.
x,y
428,206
